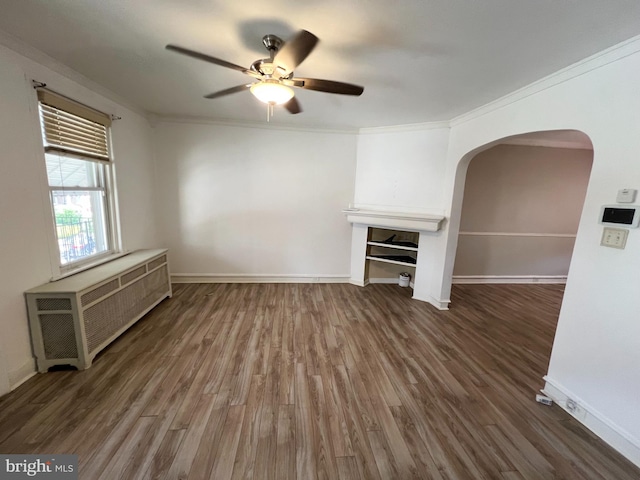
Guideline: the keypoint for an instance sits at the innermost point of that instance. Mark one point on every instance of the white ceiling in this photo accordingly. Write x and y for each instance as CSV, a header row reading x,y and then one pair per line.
x,y
419,60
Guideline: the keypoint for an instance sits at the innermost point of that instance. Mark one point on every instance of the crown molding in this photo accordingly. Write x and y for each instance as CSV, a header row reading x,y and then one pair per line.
x,y
593,62
539,142
25,50
410,127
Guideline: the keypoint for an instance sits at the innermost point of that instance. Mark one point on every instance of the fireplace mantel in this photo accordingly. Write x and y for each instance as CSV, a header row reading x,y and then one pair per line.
x,y
363,220
397,220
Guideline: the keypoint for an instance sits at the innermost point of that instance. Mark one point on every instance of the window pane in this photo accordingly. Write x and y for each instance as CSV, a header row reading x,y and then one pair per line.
x,y
81,224
64,171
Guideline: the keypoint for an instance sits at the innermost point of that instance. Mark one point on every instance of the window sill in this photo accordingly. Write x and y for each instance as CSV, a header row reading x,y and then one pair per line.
x,y
88,266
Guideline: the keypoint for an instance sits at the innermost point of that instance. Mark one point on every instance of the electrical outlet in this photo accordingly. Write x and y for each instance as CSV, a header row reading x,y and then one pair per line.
x,y
544,400
572,405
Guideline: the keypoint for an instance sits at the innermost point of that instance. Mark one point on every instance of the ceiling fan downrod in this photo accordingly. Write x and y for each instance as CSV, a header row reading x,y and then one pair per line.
x,y
272,43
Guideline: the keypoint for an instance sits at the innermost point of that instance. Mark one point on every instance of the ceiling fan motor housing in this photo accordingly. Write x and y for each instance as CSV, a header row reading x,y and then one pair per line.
x,y
267,68
272,42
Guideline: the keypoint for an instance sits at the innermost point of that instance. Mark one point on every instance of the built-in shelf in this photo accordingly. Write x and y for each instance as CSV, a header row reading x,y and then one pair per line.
x,y
386,244
395,220
397,247
408,262
394,246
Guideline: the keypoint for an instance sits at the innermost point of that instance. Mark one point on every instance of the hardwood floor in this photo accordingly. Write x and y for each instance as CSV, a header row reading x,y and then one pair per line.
x,y
305,381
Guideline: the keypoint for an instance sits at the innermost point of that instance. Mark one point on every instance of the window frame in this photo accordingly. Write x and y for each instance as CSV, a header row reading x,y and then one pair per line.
x,y
105,169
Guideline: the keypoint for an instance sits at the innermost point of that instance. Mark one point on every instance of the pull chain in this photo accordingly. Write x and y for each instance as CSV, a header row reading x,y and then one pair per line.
x,y
269,111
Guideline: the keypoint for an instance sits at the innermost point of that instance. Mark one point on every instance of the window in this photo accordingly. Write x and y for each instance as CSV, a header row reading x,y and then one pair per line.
x,y
78,161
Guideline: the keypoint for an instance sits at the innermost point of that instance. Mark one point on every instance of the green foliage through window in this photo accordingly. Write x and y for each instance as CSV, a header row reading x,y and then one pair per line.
x,y
68,217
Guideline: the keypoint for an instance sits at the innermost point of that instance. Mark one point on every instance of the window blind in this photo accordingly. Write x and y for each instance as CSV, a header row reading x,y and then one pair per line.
x,y
69,127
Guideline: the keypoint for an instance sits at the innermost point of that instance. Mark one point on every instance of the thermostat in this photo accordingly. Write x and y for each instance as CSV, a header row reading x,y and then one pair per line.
x,y
620,216
626,195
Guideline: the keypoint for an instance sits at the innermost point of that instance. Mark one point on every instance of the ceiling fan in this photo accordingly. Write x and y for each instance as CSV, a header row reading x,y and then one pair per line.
x,y
274,75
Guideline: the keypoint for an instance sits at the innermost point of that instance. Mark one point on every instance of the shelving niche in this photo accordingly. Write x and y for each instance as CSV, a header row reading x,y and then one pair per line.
x,y
390,252
371,227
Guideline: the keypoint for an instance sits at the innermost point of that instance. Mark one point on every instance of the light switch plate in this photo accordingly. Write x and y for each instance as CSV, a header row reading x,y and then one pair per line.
x,y
614,237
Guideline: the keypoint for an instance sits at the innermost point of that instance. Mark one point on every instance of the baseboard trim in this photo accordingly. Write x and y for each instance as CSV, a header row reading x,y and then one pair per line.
x,y
256,278
439,304
387,281
22,374
473,279
614,435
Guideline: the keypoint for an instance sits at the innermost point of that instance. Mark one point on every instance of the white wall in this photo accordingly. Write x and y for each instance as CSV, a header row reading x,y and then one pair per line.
x,y
522,205
402,170
251,202
596,352
25,214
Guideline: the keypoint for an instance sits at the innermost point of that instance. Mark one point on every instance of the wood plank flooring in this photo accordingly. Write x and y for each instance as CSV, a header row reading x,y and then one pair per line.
x,y
306,381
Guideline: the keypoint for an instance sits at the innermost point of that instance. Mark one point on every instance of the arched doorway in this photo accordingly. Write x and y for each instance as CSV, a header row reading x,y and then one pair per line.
x,y
540,302
522,203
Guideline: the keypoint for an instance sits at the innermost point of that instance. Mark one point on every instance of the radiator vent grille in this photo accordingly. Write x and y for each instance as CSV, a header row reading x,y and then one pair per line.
x,y
72,319
58,335
105,318
54,304
99,292
133,274
157,262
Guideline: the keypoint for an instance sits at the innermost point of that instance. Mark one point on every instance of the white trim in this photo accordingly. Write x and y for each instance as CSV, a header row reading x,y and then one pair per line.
x,y
517,234
373,258
191,120
593,62
393,246
387,281
439,304
613,434
399,220
540,142
410,127
31,53
257,278
22,374
88,266
399,209
477,279
612,54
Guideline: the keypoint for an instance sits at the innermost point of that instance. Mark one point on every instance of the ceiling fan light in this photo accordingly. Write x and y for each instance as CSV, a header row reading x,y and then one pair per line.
x,y
271,92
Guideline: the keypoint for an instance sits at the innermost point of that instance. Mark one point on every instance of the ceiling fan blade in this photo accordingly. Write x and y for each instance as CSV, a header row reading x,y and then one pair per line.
x,y
228,91
293,106
294,51
292,82
328,86
210,59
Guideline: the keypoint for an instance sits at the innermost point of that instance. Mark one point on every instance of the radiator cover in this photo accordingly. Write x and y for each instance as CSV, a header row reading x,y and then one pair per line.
x,y
73,319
